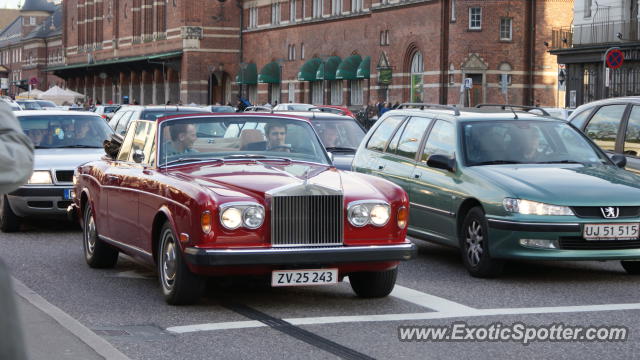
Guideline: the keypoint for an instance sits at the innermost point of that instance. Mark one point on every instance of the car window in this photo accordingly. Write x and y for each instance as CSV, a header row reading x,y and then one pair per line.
x,y
383,133
580,119
412,136
603,126
632,137
140,136
339,133
74,130
121,128
441,140
30,105
393,143
531,142
114,120
259,137
125,149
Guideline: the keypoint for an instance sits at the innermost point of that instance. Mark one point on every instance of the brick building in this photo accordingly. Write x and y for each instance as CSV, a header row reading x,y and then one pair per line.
x,y
29,44
319,51
407,50
151,51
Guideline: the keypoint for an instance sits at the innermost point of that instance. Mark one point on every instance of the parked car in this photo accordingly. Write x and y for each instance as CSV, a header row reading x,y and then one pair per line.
x,y
240,203
293,107
48,105
257,108
503,186
339,110
614,124
558,113
106,111
341,135
220,109
29,105
128,113
12,104
63,140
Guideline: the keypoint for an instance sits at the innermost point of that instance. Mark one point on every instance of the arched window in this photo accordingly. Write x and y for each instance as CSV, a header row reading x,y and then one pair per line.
x,y
417,68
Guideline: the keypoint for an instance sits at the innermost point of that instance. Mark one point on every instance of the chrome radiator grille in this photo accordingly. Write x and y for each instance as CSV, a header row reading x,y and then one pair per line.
x,y
306,220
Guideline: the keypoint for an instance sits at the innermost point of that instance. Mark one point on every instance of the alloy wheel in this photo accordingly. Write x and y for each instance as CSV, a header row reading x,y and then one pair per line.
x,y
474,238
90,234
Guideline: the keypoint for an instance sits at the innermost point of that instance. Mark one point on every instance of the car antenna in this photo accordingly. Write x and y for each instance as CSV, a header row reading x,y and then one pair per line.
x,y
515,116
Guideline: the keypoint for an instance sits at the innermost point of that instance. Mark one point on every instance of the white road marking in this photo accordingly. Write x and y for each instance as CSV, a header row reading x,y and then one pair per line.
x,y
429,301
98,344
444,309
407,317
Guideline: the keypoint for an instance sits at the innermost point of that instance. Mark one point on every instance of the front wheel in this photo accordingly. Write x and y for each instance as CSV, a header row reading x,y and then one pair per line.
x,y
474,246
179,285
9,221
97,253
373,284
631,267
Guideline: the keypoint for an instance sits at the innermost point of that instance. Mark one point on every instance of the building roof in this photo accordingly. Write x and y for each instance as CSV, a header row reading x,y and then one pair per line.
x,y
51,26
38,5
11,34
7,16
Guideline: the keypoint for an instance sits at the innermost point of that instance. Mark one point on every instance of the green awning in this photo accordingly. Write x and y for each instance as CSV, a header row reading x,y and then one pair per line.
x,y
327,70
248,74
348,68
116,61
270,73
364,69
309,70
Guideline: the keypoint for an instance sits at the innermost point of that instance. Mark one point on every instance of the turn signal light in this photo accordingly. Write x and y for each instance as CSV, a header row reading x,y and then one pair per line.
x,y
403,217
205,221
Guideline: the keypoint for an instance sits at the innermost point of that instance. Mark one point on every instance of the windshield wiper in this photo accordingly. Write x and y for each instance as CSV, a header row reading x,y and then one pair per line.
x,y
188,159
559,162
256,156
338,149
494,162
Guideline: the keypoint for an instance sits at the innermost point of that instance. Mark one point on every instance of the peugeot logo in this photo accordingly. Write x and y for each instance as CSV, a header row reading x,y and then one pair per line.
x,y
610,212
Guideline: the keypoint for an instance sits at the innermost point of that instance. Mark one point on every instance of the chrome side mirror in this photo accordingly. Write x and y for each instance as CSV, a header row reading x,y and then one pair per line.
x,y
138,156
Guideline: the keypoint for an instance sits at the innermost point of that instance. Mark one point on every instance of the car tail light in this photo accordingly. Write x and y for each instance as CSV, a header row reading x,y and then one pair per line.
x,y
403,217
205,221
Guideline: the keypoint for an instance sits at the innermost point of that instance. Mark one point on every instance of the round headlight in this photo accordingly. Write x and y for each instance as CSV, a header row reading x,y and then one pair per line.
x,y
231,218
253,217
359,215
380,215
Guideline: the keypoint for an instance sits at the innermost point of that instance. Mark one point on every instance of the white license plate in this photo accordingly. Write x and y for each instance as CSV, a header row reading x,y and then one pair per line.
x,y
611,231
304,277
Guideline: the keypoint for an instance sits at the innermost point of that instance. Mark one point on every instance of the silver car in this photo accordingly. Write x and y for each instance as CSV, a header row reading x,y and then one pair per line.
x,y
63,140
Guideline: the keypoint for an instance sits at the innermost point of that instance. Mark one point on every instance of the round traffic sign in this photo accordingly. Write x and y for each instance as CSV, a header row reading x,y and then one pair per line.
x,y
615,58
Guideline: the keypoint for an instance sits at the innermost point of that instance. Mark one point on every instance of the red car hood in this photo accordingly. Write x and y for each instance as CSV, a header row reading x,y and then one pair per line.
x,y
251,179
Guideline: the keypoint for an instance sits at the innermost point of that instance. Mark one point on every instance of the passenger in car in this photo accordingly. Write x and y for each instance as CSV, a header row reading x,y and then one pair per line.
x,y
330,136
183,136
276,135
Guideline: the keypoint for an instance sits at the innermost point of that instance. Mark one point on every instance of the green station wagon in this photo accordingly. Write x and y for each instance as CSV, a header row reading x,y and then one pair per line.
x,y
507,185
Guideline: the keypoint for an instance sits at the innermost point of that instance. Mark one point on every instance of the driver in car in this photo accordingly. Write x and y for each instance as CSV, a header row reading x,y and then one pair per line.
x,y
183,136
276,135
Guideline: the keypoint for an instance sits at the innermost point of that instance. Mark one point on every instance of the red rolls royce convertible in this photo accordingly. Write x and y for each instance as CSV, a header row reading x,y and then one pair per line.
x,y
213,195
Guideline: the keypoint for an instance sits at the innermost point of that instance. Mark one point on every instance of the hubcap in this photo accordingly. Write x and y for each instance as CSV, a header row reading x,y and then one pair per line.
x,y
90,234
474,240
168,261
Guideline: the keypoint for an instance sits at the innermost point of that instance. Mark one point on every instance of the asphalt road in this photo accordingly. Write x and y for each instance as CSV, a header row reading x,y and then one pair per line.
x,y
241,318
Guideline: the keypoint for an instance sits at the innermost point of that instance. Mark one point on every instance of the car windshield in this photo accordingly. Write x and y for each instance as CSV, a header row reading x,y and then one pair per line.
x,y
154,114
339,134
223,109
527,142
255,138
65,131
110,109
46,103
30,105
